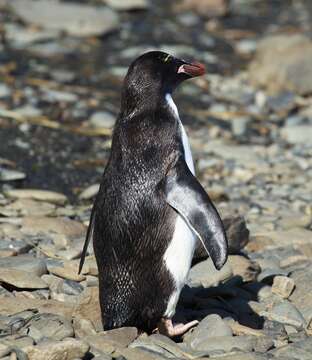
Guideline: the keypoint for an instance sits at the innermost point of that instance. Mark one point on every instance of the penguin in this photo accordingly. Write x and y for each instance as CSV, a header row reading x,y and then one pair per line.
x,y
150,209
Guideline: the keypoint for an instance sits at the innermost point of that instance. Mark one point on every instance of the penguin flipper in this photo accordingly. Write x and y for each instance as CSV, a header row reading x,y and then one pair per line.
x,y
185,194
87,240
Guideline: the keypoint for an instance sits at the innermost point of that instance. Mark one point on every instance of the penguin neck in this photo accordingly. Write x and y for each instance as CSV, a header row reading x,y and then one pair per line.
x,y
147,101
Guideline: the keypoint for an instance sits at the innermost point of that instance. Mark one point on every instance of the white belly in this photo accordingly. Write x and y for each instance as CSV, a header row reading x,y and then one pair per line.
x,y
178,256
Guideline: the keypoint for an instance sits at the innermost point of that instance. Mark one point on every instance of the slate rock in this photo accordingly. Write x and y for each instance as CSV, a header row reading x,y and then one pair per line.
x,y
48,326
27,263
283,286
211,326
300,350
286,313
40,195
21,279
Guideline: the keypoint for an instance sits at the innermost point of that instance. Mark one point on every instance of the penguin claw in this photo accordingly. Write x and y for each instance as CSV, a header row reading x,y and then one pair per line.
x,y
166,327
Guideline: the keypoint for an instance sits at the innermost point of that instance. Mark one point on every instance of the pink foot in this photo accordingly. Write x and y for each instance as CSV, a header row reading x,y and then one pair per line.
x,y
165,327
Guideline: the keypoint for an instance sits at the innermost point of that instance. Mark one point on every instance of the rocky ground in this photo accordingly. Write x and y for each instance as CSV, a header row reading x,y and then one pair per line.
x,y
250,125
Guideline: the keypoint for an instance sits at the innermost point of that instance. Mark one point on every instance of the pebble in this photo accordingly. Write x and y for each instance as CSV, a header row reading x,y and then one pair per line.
x,y
102,119
126,5
11,175
5,91
89,192
300,134
283,286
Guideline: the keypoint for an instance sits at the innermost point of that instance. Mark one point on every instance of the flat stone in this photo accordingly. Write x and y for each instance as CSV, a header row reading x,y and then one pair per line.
x,y
40,195
300,350
127,4
48,326
139,354
83,328
226,343
63,231
300,134
287,313
5,91
21,279
11,175
89,192
109,341
29,207
70,273
26,263
211,326
75,19
67,349
205,274
283,286
208,8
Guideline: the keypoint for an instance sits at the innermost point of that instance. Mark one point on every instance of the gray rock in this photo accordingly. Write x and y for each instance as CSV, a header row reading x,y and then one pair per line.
x,y
102,119
40,195
89,192
75,19
27,263
11,175
211,326
21,279
286,313
268,275
5,91
301,134
226,344
67,349
205,274
48,326
283,286
128,4
282,63
300,350
59,96
28,111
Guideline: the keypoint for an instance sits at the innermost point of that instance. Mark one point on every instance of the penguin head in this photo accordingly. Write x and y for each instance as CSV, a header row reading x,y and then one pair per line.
x,y
156,72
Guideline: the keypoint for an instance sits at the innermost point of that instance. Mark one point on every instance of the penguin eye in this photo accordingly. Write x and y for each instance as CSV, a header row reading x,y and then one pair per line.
x,y
167,58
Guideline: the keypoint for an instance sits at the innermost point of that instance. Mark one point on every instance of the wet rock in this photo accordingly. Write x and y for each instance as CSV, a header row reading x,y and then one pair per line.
x,y
246,269
283,286
26,263
40,195
205,274
128,4
281,63
89,192
48,326
11,175
67,349
21,279
211,326
287,313
75,19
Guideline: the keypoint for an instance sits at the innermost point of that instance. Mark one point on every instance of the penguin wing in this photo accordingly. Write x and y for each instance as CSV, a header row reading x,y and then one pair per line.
x,y
87,240
185,194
